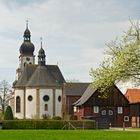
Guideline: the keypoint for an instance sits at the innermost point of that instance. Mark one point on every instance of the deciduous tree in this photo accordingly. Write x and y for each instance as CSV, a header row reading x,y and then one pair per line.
x,y
4,89
122,62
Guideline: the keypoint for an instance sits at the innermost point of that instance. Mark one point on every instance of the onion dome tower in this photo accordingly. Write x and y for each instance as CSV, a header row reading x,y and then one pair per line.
x,y
41,56
27,47
26,51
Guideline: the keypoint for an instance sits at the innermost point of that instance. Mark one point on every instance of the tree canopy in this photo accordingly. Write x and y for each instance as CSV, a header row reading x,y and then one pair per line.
x,y
122,62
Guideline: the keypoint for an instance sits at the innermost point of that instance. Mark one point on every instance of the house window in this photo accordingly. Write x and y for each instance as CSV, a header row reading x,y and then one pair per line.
x,y
75,109
103,112
120,110
46,107
126,118
96,109
17,104
110,112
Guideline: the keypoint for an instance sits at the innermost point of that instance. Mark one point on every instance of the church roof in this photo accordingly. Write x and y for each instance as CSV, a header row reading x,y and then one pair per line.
x,y
75,89
87,94
25,76
36,75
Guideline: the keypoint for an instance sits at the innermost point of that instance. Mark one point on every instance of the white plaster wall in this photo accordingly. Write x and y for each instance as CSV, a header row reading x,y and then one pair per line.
x,y
19,93
58,105
23,60
48,92
31,105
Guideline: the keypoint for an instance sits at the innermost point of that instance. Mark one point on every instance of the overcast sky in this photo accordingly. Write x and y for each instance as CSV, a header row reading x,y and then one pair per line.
x,y
74,32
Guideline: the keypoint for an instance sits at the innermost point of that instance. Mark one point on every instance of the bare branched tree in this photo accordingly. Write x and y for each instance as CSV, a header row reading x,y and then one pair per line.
x,y
4,90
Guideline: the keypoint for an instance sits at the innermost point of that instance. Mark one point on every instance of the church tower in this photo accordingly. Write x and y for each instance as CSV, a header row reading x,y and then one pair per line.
x,y
41,56
26,52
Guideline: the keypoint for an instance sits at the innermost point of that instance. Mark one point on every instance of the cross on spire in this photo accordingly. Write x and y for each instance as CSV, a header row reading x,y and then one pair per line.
x,y
27,21
41,41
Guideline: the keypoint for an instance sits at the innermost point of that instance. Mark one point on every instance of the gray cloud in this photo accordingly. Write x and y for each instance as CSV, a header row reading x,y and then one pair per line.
x,y
12,4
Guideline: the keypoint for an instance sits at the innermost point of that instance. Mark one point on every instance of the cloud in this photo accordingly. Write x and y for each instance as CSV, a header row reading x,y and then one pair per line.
x,y
74,32
20,3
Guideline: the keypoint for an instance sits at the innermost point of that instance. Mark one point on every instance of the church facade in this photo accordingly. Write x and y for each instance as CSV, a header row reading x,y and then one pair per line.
x,y
41,91
38,88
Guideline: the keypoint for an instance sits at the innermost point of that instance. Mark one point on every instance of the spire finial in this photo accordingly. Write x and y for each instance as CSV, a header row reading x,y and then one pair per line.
x,y
41,41
27,21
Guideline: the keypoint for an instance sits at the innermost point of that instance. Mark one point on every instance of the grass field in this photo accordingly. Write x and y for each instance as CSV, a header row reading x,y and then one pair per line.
x,y
68,135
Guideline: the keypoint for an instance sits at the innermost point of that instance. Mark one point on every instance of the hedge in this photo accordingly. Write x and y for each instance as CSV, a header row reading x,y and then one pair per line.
x,y
47,124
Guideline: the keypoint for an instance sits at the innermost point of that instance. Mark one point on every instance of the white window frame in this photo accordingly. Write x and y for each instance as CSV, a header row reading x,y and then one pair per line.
x,y
120,110
96,109
103,112
126,118
110,112
75,109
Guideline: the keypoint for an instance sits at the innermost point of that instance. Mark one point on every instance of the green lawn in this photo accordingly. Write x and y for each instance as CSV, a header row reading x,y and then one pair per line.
x,y
68,135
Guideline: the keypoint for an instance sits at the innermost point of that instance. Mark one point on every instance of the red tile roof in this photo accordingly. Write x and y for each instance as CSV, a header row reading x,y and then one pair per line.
x,y
133,95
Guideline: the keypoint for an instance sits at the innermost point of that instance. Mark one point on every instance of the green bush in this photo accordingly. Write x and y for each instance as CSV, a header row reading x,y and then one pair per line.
x,y
47,124
73,117
1,116
8,114
57,118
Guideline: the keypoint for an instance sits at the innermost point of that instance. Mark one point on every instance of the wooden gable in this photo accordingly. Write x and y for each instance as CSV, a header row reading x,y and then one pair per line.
x,y
115,98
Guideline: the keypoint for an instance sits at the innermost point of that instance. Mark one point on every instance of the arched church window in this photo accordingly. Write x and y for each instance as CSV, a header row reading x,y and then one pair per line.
x,y
30,98
59,98
46,107
46,98
17,104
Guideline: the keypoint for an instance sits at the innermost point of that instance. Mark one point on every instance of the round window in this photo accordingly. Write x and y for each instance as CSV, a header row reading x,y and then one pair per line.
x,y
30,98
46,98
59,98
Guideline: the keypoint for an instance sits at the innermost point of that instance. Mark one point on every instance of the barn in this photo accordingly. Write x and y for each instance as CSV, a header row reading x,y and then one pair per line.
x,y
113,110
73,91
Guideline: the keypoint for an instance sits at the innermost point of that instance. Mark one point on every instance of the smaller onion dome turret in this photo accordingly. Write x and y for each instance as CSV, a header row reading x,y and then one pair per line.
x,y
27,34
27,47
41,56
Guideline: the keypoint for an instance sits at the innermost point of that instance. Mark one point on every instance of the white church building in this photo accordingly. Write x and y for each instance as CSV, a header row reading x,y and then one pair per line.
x,y
38,88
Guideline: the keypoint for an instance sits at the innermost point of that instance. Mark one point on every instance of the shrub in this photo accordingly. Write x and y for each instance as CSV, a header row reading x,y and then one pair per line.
x,y
73,117
46,117
47,124
8,114
32,124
